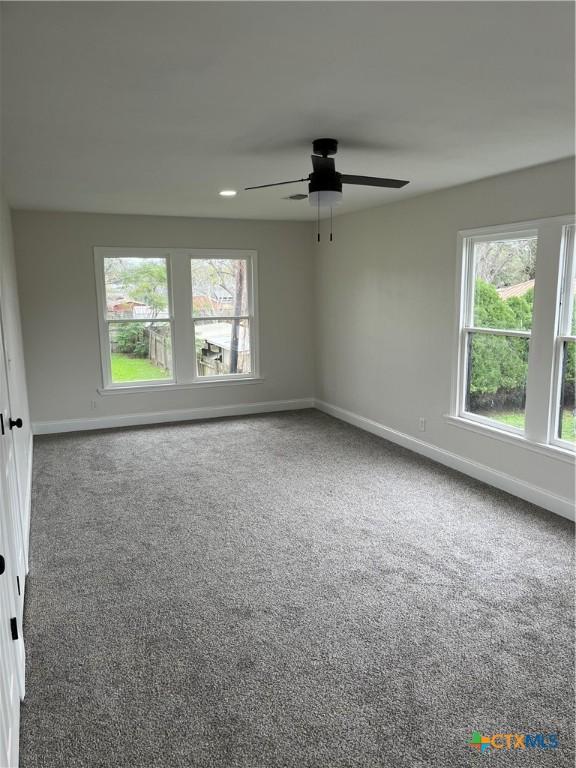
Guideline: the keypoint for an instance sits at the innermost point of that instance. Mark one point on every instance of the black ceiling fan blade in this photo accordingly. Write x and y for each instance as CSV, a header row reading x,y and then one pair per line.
x,y
277,184
323,164
373,181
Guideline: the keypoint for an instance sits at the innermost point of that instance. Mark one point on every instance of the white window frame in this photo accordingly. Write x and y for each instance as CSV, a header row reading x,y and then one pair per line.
x,y
468,328
542,357
184,371
563,332
250,258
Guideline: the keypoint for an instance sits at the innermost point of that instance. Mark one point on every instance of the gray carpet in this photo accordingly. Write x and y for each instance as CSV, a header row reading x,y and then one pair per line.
x,y
286,591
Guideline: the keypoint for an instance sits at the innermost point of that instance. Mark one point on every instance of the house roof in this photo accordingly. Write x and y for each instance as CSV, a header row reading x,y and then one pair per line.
x,y
125,302
519,289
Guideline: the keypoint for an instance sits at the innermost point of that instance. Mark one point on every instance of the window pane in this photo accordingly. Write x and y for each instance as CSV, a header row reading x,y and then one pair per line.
x,y
570,320
567,420
496,386
222,347
140,351
136,288
219,287
504,283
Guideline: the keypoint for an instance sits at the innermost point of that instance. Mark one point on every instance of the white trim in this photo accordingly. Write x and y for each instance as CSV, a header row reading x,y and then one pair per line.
x,y
14,744
544,320
497,332
210,381
568,254
220,318
459,340
510,231
27,511
517,438
161,417
486,422
560,505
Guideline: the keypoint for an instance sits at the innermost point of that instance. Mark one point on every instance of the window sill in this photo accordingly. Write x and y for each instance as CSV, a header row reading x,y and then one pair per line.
x,y
544,449
172,386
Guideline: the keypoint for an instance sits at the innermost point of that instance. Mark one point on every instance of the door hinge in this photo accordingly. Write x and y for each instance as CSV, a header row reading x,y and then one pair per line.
x,y
2,565
18,584
14,628
2,424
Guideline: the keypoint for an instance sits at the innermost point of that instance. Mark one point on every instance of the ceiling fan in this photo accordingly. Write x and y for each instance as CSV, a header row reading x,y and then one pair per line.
x,y
325,182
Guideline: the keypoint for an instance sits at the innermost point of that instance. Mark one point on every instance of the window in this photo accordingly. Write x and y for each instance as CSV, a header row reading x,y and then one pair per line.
x,y
137,319
565,363
516,338
177,317
497,334
221,314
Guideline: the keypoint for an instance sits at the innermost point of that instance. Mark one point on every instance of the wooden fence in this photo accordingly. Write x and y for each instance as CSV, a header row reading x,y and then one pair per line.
x,y
160,352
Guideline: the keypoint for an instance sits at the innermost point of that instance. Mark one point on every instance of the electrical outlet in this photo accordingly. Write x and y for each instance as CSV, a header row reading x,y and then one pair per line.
x,y
422,424
92,405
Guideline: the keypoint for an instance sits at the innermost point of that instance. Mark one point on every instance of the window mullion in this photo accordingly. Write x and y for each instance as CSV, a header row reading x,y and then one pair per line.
x,y
539,390
183,334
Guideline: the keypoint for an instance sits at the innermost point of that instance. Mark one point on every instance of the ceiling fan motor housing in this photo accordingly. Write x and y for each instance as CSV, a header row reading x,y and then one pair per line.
x,y
325,147
325,182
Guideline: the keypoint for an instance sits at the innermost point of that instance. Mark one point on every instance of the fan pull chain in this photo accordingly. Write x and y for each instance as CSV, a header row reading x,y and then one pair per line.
x,y
330,223
318,219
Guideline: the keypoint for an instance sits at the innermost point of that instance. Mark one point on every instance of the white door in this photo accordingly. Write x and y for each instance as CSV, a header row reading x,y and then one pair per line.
x,y
12,572
9,679
13,354
10,495
9,487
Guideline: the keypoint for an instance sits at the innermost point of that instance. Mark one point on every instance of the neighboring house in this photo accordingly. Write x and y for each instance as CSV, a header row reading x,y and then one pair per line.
x,y
519,289
221,303
222,295
515,290
124,307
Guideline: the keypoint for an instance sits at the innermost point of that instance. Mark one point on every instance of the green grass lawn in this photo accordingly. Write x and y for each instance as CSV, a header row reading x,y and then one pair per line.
x,y
126,368
516,419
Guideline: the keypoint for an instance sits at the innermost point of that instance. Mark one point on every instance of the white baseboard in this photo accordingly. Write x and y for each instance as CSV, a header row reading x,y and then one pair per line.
x,y
160,417
532,493
28,503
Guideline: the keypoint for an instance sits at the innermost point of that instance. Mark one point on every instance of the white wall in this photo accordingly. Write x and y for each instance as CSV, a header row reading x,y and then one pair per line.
x,y
60,323
386,306
11,327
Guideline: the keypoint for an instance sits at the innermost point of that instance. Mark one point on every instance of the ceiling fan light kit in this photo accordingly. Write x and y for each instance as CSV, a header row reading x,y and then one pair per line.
x,y
325,182
325,198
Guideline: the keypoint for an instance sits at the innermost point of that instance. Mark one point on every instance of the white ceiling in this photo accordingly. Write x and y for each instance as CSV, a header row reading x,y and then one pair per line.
x,y
153,107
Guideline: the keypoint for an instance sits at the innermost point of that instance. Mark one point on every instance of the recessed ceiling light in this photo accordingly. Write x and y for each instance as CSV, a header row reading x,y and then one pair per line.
x,y
227,193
